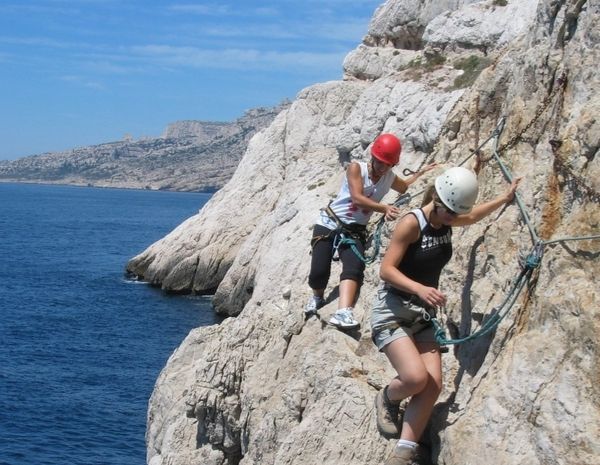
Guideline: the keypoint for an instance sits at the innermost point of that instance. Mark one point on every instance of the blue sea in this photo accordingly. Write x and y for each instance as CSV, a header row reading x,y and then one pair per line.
x,y
81,345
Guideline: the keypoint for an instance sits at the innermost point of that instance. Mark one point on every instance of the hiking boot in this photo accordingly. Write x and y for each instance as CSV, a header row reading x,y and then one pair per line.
x,y
344,319
313,305
388,415
402,455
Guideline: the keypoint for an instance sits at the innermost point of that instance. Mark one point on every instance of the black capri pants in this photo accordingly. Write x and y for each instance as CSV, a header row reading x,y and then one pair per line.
x,y
322,254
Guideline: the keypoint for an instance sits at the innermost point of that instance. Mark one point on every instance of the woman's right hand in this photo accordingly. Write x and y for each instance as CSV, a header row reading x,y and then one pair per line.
x,y
431,296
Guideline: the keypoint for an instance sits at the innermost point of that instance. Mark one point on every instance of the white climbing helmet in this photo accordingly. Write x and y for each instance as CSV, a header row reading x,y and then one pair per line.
x,y
457,188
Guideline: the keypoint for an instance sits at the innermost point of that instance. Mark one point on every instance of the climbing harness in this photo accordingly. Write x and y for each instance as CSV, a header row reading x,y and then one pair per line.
x,y
424,318
343,235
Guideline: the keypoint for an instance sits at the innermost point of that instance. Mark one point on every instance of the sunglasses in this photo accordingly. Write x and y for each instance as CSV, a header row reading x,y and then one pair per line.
x,y
448,211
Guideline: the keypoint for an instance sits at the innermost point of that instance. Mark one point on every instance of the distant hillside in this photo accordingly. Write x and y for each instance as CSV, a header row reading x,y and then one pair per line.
x,y
195,156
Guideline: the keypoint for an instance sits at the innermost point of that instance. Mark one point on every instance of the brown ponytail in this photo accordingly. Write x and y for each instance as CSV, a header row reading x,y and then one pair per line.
x,y
428,195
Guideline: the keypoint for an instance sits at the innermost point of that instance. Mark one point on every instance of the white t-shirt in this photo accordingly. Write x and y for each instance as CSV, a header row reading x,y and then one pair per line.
x,y
346,210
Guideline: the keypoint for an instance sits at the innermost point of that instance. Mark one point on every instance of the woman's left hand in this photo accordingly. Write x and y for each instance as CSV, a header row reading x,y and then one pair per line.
x,y
391,212
510,194
427,168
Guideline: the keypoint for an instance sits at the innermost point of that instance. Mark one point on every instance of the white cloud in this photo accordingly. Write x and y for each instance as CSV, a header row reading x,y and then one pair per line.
x,y
83,82
271,40
241,59
111,65
272,23
266,11
348,31
346,3
36,42
222,10
34,9
206,10
272,31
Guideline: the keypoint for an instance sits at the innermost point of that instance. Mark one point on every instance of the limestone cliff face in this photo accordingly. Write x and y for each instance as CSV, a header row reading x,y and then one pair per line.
x,y
266,387
190,156
199,130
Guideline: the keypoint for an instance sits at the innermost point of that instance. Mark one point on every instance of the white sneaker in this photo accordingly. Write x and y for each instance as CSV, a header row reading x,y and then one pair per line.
x,y
344,318
314,304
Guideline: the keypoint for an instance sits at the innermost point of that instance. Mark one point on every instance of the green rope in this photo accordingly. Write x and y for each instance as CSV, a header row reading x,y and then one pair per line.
x,y
528,264
507,174
495,134
566,239
532,261
345,240
403,199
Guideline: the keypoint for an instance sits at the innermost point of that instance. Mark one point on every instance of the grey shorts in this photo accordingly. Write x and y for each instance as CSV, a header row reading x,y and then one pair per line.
x,y
393,317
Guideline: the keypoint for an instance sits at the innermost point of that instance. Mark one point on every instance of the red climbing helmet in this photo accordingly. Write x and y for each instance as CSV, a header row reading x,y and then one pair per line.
x,y
387,148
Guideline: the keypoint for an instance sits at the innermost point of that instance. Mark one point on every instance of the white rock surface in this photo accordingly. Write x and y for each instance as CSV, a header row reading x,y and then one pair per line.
x,y
482,25
401,23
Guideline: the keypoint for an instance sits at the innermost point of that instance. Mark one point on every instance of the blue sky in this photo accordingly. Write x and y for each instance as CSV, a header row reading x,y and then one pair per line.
x,y
83,72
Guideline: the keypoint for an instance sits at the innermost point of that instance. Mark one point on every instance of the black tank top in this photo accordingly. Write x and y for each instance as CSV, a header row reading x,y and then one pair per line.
x,y
424,259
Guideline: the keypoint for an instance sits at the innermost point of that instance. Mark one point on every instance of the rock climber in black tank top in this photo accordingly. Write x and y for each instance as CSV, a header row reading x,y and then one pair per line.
x,y
420,247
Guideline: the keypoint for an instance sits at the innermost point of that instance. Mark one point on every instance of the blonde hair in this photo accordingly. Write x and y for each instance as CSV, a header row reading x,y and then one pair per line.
x,y
429,195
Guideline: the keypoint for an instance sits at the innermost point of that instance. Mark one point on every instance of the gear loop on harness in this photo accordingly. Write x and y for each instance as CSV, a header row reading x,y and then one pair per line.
x,y
343,235
337,240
